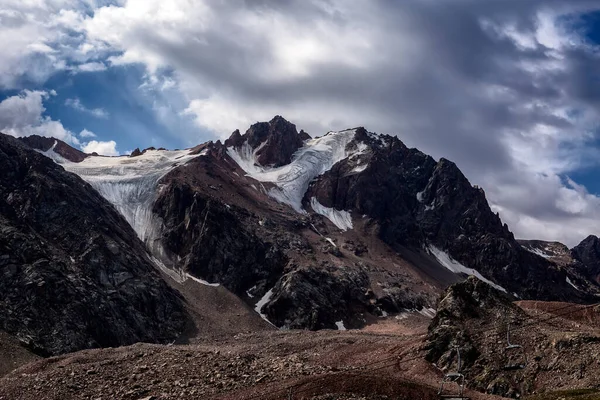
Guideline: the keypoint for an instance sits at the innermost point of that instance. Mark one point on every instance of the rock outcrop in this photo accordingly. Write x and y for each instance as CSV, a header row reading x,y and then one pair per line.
x,y
512,349
73,274
58,146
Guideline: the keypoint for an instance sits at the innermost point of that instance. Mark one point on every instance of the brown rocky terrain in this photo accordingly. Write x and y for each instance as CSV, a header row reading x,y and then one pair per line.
x,y
313,365
401,357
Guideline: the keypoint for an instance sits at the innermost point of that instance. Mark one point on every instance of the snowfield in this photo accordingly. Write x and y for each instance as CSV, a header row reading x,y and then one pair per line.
x,y
316,157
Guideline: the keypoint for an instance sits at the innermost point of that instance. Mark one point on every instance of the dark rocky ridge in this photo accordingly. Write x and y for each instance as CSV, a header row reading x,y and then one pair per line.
x,y
278,140
73,274
418,202
44,144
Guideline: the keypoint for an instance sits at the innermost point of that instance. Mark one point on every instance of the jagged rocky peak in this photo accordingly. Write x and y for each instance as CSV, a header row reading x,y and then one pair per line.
x,y
588,253
46,144
273,142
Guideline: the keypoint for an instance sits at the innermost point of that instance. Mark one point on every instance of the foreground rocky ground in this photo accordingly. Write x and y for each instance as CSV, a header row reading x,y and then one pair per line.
x,y
317,365
397,357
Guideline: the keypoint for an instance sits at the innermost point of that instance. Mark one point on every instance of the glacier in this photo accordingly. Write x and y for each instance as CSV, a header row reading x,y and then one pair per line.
x,y
316,157
130,184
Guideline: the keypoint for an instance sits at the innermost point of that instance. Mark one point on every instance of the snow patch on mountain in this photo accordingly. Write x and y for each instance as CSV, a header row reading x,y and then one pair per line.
x,y
201,281
538,252
261,303
456,267
316,157
571,283
341,219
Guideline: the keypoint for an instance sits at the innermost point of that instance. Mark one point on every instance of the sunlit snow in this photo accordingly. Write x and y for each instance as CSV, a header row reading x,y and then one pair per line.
x,y
264,300
316,157
50,153
341,219
458,268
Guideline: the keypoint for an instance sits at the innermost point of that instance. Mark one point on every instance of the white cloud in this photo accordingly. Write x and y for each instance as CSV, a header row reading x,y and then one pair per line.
x,y
86,134
90,67
77,105
22,115
108,148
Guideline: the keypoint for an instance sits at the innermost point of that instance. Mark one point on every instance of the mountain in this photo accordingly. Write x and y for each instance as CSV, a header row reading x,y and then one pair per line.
x,y
73,274
331,232
219,245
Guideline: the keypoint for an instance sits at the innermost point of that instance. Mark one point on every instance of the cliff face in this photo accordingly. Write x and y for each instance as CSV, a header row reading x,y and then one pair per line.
x,y
274,142
588,254
73,274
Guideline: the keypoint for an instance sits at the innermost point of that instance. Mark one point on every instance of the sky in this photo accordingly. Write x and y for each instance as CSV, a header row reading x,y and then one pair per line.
x,y
507,89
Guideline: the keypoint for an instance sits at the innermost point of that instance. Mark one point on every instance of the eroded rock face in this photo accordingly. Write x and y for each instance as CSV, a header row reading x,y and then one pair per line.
x,y
274,142
73,274
61,148
317,298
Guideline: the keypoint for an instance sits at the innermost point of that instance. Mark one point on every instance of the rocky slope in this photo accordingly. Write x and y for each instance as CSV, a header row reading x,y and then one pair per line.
x,y
418,202
73,274
45,144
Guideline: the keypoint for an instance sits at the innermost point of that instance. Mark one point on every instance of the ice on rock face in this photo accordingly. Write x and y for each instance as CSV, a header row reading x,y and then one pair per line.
x,y
130,184
316,157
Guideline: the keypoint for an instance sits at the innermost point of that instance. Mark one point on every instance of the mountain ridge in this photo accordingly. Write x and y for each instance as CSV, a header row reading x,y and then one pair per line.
x,y
387,225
